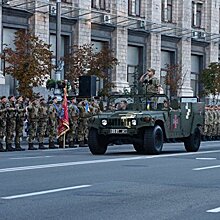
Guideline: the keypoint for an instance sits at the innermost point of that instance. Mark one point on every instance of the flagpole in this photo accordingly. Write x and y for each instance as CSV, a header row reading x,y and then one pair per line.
x,y
64,140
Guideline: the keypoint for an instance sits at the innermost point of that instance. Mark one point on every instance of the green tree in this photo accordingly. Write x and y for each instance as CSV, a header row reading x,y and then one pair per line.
x,y
84,60
210,78
29,63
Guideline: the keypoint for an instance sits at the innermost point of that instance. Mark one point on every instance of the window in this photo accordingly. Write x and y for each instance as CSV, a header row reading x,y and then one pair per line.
x,y
167,6
99,4
195,71
196,14
167,58
134,7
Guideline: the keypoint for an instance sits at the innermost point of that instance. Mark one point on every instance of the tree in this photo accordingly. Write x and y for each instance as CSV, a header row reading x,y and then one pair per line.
x,y
174,78
83,60
210,78
30,62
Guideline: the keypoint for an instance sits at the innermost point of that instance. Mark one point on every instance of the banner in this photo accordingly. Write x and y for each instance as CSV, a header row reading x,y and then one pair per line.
x,y
64,120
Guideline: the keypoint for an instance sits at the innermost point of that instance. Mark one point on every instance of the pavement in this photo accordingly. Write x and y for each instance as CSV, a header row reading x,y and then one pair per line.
x,y
74,184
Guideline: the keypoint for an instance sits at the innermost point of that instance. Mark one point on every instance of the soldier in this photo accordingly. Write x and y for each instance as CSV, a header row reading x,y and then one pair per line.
x,y
206,124
82,126
10,123
73,122
150,81
33,110
2,121
42,123
53,122
21,113
215,123
210,123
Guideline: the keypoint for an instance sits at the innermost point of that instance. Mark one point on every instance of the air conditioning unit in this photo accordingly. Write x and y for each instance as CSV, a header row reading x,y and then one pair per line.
x,y
107,19
53,10
202,35
141,24
195,34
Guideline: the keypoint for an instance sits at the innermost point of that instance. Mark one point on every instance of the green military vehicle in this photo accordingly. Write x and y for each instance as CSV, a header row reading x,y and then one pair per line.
x,y
147,122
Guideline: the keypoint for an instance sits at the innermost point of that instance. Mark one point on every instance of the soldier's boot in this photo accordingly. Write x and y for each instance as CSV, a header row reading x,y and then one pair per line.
x,y
2,148
9,147
42,147
52,145
31,146
18,147
71,144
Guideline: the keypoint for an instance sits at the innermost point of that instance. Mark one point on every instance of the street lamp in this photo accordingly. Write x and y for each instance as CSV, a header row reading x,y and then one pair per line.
x,y
58,40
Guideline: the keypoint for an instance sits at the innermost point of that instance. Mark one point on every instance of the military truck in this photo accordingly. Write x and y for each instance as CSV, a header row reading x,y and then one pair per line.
x,y
147,122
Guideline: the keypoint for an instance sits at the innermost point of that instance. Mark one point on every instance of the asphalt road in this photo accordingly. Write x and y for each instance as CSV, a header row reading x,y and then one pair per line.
x,y
74,184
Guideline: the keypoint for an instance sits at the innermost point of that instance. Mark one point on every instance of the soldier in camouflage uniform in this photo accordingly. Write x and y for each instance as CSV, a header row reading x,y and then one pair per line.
x,y
42,123
2,121
215,123
82,126
206,124
20,117
210,123
150,81
33,118
73,122
10,123
53,122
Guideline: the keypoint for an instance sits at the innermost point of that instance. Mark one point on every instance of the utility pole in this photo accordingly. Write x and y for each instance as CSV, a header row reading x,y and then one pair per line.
x,y
58,40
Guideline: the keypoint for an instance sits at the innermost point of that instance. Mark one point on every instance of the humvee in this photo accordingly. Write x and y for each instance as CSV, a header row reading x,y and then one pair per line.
x,y
147,122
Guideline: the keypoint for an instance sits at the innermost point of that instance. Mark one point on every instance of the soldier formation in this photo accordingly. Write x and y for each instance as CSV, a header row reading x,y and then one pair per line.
x,y
211,130
42,118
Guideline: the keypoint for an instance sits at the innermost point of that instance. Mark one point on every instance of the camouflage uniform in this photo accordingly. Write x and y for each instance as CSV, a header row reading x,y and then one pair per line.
x,y
206,124
2,123
210,123
73,123
215,123
10,123
52,124
82,126
42,123
33,118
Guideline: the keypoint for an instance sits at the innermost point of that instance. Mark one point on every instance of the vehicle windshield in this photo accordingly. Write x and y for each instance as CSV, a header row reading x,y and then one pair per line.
x,y
137,103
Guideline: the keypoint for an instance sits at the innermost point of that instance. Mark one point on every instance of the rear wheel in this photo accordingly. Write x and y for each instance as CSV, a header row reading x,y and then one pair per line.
x,y
192,143
97,145
153,140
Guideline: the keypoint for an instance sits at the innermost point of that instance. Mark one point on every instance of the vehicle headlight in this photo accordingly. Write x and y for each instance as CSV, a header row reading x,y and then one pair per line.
x,y
104,122
134,122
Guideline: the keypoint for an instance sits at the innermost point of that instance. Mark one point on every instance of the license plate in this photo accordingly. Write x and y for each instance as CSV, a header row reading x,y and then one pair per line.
x,y
118,131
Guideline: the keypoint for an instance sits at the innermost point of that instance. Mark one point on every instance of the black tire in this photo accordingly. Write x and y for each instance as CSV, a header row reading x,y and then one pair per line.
x,y
153,140
192,143
139,148
97,145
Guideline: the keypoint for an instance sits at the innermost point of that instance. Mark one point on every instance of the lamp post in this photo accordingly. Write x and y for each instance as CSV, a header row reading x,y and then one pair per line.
x,y
58,40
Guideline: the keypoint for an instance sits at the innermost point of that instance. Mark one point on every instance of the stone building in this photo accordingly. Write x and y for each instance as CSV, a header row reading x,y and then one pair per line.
x,y
142,33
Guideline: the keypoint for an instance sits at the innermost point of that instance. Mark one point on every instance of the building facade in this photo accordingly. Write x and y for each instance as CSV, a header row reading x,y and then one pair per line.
x,y
142,34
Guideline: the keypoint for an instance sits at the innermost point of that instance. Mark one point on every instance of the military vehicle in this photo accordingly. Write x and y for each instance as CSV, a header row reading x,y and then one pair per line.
x,y
147,122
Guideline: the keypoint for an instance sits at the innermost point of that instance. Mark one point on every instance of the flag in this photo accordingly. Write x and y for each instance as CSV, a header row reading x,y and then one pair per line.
x,y
64,120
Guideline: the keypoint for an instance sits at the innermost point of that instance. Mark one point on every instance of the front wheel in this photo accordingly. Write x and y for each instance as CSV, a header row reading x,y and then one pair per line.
x,y
153,140
97,145
192,142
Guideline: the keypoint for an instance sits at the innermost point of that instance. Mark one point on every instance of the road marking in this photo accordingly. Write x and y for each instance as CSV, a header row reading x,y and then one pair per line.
x,y
207,168
44,192
21,158
214,210
44,166
203,158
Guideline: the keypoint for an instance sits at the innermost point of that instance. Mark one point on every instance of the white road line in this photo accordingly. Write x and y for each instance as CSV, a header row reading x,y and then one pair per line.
x,y
214,210
22,158
207,168
203,158
5,170
44,192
